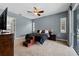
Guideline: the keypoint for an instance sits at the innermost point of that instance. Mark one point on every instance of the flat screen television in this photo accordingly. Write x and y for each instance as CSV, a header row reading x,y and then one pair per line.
x,y
3,20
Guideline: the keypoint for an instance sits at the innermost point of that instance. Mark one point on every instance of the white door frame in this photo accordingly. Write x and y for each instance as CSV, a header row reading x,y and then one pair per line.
x,y
72,25
13,28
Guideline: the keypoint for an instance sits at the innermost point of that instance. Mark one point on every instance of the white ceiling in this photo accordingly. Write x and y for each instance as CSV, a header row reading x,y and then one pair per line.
x,y
22,8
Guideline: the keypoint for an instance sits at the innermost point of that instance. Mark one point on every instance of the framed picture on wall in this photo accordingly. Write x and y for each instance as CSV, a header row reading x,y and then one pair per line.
x,y
63,25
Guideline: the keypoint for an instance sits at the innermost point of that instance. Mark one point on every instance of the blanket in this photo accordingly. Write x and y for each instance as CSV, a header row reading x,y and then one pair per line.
x,y
38,37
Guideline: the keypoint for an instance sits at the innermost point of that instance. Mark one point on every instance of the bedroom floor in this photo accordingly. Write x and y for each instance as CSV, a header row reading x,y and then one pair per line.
x,y
49,48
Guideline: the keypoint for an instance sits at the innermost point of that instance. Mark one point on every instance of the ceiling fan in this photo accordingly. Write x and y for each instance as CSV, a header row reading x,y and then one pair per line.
x,y
36,11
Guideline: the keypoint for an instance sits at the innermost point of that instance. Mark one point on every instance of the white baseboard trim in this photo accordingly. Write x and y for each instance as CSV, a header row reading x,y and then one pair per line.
x,y
20,37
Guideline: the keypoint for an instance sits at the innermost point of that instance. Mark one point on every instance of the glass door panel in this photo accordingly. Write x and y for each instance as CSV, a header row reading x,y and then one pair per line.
x,y
76,30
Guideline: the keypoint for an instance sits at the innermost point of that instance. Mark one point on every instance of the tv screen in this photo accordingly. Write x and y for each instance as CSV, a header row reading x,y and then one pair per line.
x,y
3,20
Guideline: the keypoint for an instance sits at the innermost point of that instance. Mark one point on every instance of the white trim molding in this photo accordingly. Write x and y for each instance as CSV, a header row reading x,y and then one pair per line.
x,y
71,25
75,6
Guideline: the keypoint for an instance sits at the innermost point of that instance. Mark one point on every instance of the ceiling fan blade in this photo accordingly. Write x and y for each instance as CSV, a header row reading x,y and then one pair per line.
x,y
29,11
41,11
38,14
35,8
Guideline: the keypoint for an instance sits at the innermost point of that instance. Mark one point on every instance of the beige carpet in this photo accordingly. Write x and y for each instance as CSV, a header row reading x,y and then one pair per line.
x,y
49,48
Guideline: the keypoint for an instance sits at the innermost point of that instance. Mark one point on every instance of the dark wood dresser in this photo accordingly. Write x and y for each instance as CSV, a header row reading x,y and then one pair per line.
x,y
7,44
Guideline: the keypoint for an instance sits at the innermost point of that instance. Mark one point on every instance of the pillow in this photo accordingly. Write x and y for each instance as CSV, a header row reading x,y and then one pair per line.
x,y
40,31
46,31
43,31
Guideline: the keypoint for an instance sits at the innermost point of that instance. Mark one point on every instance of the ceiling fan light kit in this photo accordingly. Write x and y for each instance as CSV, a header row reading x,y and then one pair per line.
x,y
35,13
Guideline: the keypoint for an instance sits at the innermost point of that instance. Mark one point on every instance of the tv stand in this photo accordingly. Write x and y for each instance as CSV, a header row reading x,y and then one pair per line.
x,y
6,44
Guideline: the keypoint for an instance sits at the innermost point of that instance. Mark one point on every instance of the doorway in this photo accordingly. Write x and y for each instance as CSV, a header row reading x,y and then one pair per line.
x,y
76,29
11,25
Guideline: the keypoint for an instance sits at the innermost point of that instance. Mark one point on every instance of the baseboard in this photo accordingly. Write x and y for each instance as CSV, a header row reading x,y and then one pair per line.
x,y
20,37
61,39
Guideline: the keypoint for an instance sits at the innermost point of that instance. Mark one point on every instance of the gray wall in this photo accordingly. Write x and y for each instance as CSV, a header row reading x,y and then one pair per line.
x,y
23,24
73,4
53,22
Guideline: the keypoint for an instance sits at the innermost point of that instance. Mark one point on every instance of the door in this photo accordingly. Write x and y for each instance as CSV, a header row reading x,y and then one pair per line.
x,y
76,30
11,24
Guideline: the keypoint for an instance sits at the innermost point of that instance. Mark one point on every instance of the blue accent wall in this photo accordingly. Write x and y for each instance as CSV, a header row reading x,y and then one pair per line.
x,y
53,22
